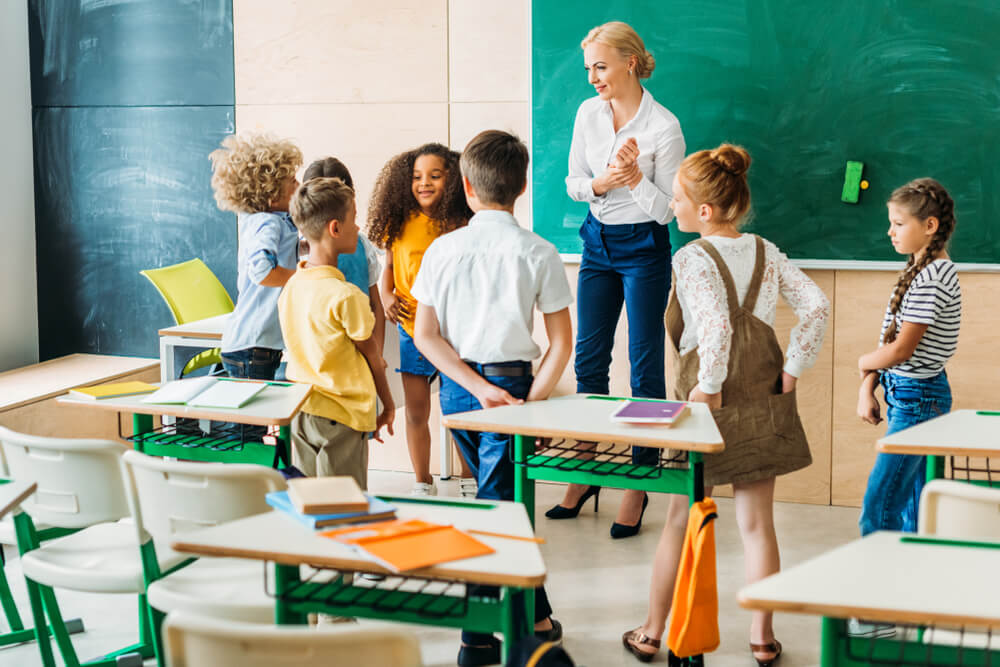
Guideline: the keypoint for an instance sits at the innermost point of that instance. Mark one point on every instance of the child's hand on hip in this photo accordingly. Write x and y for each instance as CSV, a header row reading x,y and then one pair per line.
x,y
698,396
493,396
869,409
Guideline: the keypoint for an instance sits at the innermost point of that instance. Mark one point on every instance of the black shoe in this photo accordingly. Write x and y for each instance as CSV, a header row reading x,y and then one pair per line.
x,y
560,512
474,656
620,530
553,634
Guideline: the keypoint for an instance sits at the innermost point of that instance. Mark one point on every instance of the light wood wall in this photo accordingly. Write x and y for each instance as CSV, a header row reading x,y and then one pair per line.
x,y
364,81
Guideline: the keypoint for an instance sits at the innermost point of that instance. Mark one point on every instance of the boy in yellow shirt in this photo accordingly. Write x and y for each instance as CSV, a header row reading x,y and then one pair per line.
x,y
327,324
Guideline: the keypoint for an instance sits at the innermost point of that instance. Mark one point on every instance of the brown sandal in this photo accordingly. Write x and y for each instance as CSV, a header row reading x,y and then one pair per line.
x,y
771,647
633,637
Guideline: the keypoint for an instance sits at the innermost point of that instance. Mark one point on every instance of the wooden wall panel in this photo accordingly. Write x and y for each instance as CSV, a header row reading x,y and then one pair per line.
x,y
489,65
340,51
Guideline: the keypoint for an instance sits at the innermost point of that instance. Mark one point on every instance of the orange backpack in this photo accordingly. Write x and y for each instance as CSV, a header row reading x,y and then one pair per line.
x,y
694,613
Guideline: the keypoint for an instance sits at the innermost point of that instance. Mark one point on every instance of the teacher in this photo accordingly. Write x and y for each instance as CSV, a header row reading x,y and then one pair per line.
x,y
626,149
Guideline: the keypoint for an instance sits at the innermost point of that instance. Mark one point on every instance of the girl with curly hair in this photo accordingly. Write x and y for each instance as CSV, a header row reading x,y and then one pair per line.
x,y
418,197
253,175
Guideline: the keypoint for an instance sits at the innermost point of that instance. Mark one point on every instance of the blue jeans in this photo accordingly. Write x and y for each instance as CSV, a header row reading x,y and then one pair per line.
x,y
488,456
630,265
892,498
411,360
254,363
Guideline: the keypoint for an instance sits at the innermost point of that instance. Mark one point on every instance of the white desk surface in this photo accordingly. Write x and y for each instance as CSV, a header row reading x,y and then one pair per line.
x,y
210,327
883,579
958,433
275,405
583,418
277,537
13,494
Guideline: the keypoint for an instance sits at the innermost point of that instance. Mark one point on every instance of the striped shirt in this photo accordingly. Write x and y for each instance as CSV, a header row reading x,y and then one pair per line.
x,y
935,299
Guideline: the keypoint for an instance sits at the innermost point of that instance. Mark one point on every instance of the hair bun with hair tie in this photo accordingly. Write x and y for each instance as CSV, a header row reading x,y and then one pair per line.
x,y
733,160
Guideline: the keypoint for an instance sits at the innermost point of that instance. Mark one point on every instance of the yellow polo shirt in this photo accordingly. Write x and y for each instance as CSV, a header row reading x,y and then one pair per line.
x,y
418,233
321,316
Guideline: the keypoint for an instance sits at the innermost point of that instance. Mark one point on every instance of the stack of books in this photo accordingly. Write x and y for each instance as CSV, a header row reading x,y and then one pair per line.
x,y
321,502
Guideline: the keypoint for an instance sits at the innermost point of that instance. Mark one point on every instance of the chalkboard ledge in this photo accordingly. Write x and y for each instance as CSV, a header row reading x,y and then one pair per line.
x,y
844,265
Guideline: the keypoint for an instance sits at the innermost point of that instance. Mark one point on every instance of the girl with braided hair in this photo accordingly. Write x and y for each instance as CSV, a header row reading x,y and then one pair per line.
x,y
919,336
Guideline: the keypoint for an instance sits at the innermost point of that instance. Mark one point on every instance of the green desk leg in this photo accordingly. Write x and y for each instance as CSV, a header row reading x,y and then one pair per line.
x,y
284,446
524,488
935,467
696,479
831,629
141,424
285,578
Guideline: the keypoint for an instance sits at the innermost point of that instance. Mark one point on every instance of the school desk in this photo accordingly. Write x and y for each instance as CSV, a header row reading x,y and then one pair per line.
x,y
276,405
588,418
201,335
892,578
441,595
962,433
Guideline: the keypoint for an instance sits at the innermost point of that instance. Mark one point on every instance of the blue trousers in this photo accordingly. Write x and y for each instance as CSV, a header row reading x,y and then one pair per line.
x,y
488,456
630,265
892,498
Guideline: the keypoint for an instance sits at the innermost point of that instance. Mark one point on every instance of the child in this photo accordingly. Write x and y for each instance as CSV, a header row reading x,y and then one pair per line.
x,y
719,327
254,175
361,267
328,326
417,198
919,335
477,289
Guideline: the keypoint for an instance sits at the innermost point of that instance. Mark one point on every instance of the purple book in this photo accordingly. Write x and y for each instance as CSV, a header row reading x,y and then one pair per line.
x,y
650,412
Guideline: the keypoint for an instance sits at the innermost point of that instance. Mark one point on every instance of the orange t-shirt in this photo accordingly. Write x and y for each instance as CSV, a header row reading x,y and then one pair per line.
x,y
419,232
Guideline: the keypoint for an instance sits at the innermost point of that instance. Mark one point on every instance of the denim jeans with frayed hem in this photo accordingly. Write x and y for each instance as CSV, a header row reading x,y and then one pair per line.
x,y
892,497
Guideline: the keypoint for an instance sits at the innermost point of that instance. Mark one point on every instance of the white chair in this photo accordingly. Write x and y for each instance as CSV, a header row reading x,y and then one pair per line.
x,y
168,497
80,492
194,641
959,510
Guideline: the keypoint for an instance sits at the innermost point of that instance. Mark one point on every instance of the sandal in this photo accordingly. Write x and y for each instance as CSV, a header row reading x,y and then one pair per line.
x,y
771,647
633,638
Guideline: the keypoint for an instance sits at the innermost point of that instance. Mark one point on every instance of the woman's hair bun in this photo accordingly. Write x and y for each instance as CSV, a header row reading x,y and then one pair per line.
x,y
648,64
732,159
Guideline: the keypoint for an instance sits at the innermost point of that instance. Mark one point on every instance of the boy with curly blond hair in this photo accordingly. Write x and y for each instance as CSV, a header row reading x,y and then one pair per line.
x,y
253,175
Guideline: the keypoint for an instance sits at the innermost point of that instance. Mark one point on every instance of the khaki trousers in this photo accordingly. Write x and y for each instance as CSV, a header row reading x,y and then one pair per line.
x,y
322,447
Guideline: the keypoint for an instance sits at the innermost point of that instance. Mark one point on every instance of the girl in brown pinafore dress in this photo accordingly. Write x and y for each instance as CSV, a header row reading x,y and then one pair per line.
x,y
719,323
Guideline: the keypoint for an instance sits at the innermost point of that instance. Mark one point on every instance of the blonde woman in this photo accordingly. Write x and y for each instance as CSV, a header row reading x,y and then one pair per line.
x,y
626,149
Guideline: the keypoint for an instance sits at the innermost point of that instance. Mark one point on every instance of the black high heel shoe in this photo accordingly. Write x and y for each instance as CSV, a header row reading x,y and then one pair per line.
x,y
620,530
560,512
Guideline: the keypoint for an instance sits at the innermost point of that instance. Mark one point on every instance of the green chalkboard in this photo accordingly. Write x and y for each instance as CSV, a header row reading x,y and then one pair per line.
x,y
909,87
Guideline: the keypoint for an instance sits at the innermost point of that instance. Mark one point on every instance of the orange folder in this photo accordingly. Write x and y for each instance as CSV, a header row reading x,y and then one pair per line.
x,y
410,544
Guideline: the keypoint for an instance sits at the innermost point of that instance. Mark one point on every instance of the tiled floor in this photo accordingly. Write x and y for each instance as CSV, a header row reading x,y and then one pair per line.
x,y
597,586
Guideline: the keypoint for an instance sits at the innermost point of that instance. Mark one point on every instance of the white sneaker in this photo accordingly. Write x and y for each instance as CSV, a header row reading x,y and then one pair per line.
x,y
467,487
423,489
868,629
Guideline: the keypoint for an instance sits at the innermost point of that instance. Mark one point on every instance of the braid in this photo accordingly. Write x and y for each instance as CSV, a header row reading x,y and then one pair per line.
x,y
924,198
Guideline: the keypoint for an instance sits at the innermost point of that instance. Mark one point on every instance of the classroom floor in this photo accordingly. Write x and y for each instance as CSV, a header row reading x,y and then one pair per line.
x,y
597,586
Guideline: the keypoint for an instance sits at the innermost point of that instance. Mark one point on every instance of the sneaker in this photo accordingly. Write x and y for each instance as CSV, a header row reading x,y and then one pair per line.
x,y
423,489
467,487
869,629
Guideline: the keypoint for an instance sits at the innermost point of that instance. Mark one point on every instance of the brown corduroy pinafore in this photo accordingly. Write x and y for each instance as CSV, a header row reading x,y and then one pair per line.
x,y
760,425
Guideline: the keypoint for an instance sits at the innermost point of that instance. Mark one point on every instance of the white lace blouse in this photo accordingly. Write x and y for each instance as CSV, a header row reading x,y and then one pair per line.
x,y
705,307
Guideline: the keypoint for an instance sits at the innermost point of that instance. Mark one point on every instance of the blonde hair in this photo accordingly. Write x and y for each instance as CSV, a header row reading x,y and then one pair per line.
x,y
250,170
626,40
318,201
719,177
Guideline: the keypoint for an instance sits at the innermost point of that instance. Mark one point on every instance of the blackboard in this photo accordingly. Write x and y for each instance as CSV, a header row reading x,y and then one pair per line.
x,y
909,87
137,53
118,190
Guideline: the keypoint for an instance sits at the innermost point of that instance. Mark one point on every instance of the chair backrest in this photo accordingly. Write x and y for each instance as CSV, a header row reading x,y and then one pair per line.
x,y
960,510
196,641
79,481
174,496
191,290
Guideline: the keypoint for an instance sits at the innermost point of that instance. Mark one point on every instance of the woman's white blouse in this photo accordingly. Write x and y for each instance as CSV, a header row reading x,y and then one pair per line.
x,y
595,144
705,306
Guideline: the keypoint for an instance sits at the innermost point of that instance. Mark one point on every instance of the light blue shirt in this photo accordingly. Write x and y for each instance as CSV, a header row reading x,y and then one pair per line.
x,y
266,240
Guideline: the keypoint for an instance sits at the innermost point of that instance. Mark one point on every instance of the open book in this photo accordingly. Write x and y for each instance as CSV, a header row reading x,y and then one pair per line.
x,y
207,392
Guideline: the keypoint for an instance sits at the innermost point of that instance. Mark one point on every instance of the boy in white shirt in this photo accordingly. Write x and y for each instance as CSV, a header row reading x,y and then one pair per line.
x,y
476,291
